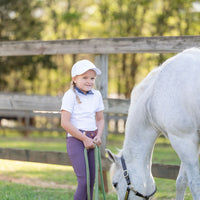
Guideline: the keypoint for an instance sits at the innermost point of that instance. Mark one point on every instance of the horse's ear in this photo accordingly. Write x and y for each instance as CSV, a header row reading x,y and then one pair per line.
x,y
111,156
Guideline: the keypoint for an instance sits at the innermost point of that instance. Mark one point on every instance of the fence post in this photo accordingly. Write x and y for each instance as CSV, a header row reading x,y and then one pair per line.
x,y
101,61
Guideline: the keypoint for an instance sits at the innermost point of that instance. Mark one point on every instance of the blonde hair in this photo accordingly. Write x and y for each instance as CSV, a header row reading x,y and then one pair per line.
x,y
73,88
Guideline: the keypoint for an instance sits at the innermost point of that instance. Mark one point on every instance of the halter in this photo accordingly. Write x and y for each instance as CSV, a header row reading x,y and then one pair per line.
x,y
129,185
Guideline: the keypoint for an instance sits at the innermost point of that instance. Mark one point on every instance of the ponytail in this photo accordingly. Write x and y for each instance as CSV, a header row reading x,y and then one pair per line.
x,y
73,88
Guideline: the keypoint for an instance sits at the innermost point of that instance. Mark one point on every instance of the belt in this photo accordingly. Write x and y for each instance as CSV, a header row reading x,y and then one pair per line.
x,y
91,134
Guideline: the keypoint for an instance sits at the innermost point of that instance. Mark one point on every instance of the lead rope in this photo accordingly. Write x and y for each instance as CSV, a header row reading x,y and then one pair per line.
x,y
87,173
98,165
101,172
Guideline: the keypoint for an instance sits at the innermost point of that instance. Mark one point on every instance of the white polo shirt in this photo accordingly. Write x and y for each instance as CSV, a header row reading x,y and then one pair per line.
x,y
83,114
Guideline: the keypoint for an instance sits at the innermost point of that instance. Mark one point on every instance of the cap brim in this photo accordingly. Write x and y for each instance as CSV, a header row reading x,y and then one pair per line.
x,y
98,71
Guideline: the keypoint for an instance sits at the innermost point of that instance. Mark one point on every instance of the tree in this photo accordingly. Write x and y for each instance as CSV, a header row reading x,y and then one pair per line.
x,y
124,18
174,18
19,22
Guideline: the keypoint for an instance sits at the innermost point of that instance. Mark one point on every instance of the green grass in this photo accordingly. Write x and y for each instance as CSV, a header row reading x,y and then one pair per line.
x,y
12,191
46,141
42,144
55,177
166,190
36,171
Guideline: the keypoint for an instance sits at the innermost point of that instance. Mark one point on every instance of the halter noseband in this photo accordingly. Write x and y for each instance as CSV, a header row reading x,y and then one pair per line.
x,y
129,186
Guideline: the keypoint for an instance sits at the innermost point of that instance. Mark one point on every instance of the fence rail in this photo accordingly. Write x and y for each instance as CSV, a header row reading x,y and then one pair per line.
x,y
61,158
16,102
24,108
100,46
50,121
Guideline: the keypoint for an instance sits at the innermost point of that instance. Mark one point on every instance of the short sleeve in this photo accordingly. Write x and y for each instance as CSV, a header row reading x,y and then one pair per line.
x,y
68,101
100,105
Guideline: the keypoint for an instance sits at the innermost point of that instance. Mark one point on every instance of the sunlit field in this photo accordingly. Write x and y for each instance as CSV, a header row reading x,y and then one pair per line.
x,y
35,181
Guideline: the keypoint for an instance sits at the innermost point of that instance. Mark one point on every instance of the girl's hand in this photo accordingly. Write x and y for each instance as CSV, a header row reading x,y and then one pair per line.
x,y
88,143
97,140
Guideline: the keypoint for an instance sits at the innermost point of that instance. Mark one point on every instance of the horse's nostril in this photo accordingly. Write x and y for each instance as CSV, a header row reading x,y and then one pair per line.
x,y
115,184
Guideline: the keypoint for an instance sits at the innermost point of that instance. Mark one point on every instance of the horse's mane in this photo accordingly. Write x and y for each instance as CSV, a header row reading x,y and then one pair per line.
x,y
142,86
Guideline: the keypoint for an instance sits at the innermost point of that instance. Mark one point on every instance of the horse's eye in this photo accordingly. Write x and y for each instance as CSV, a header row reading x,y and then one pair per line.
x,y
115,184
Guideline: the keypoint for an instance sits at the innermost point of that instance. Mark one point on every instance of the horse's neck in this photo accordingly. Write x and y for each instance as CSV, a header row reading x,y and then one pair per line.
x,y
140,136
138,147
139,141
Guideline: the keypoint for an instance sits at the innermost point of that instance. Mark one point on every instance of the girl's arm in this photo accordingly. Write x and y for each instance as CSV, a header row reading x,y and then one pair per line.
x,y
100,127
70,128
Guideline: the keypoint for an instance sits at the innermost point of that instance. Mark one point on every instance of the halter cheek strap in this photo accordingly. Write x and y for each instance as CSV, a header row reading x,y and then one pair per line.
x,y
126,176
129,186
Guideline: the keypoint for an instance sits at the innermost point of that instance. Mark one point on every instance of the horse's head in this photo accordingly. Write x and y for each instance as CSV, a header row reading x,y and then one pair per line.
x,y
118,180
121,180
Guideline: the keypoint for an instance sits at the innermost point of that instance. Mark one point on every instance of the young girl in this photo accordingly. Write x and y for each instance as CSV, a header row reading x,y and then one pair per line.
x,y
82,118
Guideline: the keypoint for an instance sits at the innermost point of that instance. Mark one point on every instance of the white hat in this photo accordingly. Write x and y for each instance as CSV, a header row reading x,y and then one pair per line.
x,y
82,66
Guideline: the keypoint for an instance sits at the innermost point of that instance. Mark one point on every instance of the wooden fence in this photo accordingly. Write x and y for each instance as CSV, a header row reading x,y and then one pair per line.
x,y
49,120
101,47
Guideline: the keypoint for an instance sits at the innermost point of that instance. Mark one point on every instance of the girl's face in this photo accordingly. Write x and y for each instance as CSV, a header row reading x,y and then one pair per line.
x,y
85,82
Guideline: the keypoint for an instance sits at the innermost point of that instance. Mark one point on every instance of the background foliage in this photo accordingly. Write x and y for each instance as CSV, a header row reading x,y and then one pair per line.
x,y
67,19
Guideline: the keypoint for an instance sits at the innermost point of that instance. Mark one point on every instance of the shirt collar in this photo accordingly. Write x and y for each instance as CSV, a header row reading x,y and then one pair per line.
x,y
89,92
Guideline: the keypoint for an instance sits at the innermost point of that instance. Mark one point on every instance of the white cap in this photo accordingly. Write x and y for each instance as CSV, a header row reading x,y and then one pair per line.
x,y
82,66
